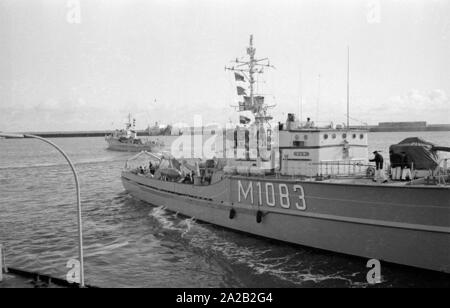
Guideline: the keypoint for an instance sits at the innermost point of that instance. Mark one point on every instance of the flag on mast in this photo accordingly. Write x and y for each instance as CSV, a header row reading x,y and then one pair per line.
x,y
240,90
244,120
238,77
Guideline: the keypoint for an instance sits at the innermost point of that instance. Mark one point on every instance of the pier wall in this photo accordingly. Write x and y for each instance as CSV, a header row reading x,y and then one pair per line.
x,y
381,127
78,134
408,127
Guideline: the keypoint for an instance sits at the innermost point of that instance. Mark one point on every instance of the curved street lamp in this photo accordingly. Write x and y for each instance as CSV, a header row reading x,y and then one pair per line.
x,y
80,227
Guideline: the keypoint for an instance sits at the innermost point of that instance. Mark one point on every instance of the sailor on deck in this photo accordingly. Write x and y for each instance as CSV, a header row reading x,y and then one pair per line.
x,y
406,167
396,165
379,173
308,124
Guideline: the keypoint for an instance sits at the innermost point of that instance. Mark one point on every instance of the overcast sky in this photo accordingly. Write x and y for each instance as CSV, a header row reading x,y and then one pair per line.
x,y
164,60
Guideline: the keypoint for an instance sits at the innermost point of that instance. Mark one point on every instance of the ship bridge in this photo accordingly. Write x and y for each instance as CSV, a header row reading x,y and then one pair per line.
x,y
292,150
317,151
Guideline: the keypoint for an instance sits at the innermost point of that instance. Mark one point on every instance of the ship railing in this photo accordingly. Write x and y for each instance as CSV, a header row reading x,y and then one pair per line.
x,y
141,159
443,172
438,176
342,168
328,169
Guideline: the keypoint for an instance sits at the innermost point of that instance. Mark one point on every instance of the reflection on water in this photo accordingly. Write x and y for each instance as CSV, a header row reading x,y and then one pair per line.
x,y
130,243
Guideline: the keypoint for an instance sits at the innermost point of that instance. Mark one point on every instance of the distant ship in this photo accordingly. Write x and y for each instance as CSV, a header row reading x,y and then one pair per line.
x,y
159,130
126,140
302,184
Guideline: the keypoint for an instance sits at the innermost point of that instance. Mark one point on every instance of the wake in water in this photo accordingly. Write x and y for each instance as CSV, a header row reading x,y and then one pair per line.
x,y
295,266
291,265
170,221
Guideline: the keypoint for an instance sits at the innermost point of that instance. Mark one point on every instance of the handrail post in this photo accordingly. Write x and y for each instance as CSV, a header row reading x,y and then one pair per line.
x,y
77,185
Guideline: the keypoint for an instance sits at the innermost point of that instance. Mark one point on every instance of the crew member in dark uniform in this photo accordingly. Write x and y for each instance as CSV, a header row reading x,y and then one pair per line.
x,y
151,168
379,173
396,165
406,167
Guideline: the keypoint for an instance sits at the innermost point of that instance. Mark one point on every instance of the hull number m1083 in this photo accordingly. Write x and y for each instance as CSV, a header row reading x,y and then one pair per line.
x,y
270,194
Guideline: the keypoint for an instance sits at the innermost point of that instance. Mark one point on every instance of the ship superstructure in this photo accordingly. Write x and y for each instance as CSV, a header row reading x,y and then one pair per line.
x,y
288,148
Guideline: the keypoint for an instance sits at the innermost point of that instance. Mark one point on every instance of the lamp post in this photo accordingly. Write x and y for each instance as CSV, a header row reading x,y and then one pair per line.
x,y
80,227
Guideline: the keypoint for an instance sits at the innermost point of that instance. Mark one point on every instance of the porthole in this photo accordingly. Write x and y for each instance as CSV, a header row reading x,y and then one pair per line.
x,y
333,136
354,136
344,135
325,136
361,136
305,137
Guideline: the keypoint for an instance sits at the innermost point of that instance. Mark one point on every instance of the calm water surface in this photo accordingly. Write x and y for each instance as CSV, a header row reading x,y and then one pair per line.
x,y
129,243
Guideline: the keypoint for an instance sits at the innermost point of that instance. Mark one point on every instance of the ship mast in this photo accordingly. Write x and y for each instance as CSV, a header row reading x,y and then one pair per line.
x,y
251,52
128,124
249,68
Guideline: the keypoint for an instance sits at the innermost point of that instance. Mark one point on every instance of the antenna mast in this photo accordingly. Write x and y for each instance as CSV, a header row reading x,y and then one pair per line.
x,y
300,107
318,98
348,87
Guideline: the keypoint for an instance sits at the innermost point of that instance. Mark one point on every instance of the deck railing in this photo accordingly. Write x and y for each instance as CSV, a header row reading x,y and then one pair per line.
x,y
355,168
342,168
443,173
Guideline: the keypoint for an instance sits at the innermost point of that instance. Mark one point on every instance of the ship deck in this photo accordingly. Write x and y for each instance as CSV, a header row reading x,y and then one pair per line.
x,y
365,181
362,180
369,181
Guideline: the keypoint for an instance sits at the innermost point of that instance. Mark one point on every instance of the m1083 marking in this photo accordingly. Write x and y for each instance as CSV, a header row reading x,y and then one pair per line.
x,y
269,195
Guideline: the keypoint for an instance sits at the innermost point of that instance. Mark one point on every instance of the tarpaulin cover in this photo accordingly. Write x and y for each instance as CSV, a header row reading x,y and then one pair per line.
x,y
419,152
415,141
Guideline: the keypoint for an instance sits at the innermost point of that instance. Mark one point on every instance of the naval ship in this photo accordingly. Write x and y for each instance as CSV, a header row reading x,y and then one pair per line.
x,y
301,184
127,140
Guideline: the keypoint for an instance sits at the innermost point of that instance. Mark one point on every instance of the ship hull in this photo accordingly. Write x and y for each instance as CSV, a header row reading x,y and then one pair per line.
x,y
392,224
115,145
